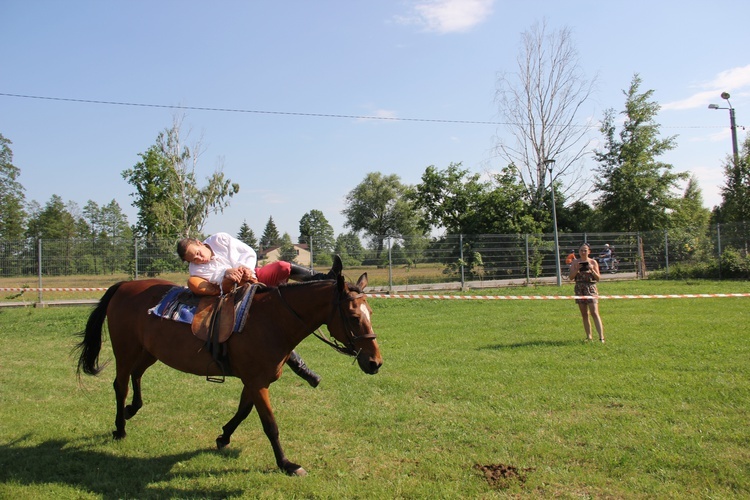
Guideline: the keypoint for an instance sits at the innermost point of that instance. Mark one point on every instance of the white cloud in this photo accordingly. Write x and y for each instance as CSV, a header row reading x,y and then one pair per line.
x,y
732,80
448,16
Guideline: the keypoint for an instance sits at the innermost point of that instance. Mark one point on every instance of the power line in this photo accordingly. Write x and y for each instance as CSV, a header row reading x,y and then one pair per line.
x,y
255,111
294,113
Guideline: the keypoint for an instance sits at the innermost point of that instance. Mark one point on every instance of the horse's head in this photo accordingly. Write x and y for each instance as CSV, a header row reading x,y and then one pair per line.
x,y
351,321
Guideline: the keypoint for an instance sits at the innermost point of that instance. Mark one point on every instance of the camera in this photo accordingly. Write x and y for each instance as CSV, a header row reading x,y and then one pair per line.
x,y
584,266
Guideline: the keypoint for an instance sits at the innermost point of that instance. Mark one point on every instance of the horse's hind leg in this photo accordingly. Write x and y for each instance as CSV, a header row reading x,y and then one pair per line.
x,y
245,407
121,393
144,362
127,362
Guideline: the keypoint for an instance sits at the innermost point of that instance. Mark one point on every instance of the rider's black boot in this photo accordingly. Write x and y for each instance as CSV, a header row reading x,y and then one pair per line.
x,y
299,367
299,273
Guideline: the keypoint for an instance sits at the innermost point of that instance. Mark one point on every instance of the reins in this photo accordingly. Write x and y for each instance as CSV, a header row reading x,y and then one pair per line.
x,y
350,349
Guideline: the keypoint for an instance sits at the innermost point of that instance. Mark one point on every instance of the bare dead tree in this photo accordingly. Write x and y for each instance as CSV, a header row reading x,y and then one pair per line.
x,y
541,104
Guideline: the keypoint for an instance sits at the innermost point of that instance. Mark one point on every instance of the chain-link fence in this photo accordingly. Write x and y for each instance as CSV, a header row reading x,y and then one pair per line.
x,y
465,259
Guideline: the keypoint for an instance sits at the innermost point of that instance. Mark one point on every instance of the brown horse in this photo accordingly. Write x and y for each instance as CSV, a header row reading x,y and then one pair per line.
x,y
280,318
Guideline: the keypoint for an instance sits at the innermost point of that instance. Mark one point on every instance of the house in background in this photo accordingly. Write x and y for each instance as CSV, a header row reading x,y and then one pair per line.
x,y
272,254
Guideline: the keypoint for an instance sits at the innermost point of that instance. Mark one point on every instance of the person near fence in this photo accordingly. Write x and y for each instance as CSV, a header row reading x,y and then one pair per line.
x,y
585,272
605,257
222,261
570,257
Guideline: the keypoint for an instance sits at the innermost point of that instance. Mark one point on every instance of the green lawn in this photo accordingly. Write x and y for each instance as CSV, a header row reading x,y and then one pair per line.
x,y
660,410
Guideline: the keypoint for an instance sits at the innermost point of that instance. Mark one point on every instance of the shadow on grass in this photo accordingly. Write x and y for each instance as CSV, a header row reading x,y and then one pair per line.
x,y
532,343
60,462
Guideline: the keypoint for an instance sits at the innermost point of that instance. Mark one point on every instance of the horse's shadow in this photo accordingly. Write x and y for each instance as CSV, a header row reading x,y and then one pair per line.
x,y
107,475
530,343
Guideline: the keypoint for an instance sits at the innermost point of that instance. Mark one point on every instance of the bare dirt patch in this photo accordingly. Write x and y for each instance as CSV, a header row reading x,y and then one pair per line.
x,y
503,476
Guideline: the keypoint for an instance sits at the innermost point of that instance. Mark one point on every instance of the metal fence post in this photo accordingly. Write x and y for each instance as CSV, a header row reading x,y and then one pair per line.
x,y
666,253
390,266
528,277
718,245
39,267
135,257
310,238
461,258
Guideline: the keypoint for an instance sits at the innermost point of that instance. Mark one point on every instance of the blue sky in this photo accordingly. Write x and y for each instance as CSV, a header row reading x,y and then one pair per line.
x,y
283,63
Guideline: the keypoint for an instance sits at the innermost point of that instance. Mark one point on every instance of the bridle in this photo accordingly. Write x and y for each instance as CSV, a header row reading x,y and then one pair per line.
x,y
340,302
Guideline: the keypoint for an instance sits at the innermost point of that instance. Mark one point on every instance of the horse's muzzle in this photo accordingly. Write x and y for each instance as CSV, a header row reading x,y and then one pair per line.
x,y
370,365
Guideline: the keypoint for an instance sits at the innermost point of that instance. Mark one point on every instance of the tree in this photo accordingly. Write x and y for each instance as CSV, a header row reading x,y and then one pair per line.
x,y
247,236
461,203
350,249
170,202
270,236
690,212
12,197
378,206
541,104
287,251
636,189
450,199
735,194
314,224
114,223
53,222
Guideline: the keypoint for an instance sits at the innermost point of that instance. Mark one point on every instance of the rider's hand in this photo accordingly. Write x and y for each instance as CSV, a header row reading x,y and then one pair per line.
x,y
234,274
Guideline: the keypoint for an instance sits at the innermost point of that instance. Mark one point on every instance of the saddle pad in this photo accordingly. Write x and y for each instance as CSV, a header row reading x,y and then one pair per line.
x,y
179,304
171,307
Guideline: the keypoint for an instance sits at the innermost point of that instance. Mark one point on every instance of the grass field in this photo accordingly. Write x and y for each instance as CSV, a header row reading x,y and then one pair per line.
x,y
467,387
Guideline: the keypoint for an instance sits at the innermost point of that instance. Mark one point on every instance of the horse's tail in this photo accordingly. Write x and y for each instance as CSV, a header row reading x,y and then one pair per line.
x,y
91,342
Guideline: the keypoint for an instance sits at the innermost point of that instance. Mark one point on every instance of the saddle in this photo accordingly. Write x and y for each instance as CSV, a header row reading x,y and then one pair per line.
x,y
217,317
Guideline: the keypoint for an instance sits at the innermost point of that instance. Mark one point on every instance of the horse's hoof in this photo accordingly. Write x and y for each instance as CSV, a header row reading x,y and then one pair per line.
x,y
130,411
118,434
299,472
222,442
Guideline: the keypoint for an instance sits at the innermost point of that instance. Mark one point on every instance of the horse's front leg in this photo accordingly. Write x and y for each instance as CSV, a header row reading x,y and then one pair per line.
x,y
263,404
245,407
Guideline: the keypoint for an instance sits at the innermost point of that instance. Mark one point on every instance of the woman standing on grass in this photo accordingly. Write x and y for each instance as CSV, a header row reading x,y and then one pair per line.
x,y
585,272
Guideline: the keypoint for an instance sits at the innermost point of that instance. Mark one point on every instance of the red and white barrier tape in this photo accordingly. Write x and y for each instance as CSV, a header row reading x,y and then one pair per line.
x,y
25,289
453,297
554,297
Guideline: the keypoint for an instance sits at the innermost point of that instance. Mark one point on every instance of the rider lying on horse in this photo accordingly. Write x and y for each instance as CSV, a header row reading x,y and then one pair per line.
x,y
222,261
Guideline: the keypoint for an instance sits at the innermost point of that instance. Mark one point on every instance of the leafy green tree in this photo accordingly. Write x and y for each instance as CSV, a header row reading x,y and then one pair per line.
x,y
735,204
507,208
450,199
170,202
635,188
461,203
378,206
114,223
287,251
12,197
53,222
270,236
690,212
247,236
350,249
314,224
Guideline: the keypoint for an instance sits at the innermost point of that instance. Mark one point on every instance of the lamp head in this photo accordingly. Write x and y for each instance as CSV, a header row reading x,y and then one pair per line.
x,y
713,106
725,95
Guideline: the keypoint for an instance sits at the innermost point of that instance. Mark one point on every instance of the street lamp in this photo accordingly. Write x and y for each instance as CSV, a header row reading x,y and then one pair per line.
x,y
548,164
733,124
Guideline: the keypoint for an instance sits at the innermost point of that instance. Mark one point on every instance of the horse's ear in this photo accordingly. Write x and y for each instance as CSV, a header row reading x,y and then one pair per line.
x,y
338,266
362,283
